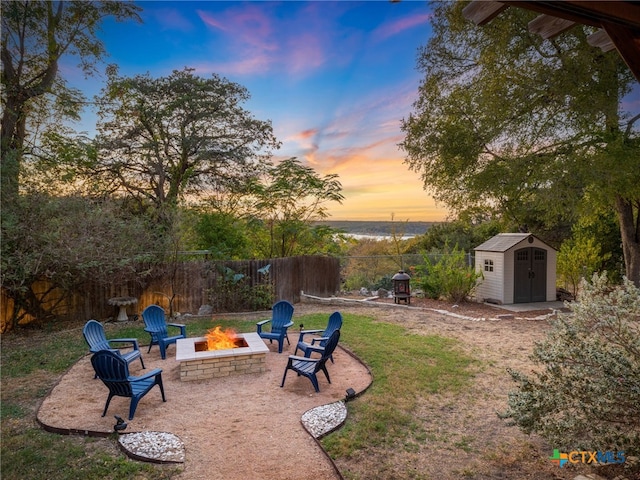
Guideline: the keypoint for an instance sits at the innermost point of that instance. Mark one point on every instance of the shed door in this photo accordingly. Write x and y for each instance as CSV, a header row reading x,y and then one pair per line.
x,y
530,275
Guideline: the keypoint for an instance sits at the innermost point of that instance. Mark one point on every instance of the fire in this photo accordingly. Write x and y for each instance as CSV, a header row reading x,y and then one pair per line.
x,y
217,339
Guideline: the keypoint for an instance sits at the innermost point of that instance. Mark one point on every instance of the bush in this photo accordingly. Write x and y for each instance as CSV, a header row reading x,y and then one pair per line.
x,y
449,277
587,394
235,292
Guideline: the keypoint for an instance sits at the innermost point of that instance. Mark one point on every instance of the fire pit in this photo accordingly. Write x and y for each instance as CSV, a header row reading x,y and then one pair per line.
x,y
245,354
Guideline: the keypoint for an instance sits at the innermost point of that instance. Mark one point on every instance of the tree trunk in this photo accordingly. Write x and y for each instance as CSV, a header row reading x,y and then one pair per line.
x,y
630,233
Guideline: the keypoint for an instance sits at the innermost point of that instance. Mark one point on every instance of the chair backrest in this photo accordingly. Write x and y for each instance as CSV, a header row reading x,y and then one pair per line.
x,y
282,313
95,337
113,370
329,347
335,323
155,320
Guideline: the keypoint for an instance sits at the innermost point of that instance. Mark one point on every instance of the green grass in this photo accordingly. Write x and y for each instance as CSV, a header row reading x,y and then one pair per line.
x,y
405,367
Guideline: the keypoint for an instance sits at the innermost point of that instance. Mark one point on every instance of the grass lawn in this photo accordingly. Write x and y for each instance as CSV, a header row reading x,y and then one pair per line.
x,y
404,366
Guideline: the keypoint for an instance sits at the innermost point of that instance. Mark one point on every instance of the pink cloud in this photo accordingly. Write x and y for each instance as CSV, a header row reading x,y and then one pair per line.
x,y
393,28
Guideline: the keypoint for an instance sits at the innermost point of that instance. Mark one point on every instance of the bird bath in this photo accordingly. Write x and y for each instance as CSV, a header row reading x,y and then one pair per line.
x,y
123,303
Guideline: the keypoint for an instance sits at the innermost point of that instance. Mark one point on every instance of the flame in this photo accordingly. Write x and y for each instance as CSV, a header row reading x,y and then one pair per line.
x,y
217,339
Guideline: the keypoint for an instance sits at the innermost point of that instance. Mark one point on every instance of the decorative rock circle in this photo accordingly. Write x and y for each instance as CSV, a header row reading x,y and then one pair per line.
x,y
155,447
324,419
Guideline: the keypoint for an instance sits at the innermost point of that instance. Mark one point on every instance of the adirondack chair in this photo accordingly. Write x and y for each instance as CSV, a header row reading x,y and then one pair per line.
x,y
113,370
156,325
95,337
317,343
282,313
309,367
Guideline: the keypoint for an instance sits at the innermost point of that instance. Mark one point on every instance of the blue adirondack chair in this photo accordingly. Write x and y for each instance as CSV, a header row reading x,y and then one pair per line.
x,y
309,367
319,342
157,326
114,373
95,337
281,320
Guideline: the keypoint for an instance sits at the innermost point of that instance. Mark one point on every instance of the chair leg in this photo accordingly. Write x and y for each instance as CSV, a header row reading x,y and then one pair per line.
x,y
159,381
132,407
326,373
142,362
314,381
106,405
163,350
284,376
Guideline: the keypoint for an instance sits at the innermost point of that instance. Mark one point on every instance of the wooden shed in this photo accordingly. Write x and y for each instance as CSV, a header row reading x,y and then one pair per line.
x,y
517,268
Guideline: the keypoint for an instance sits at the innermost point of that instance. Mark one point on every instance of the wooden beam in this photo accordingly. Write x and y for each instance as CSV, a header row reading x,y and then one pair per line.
x,y
626,13
548,27
601,40
627,42
482,12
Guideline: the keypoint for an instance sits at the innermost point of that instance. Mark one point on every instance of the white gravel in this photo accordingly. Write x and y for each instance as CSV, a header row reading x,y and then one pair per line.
x,y
323,419
159,447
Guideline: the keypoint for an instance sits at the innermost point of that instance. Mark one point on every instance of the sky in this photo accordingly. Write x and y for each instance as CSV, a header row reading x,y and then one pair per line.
x,y
335,78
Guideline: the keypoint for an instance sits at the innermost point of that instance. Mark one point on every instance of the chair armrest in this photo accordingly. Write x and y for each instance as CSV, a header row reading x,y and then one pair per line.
x,y
305,359
311,331
318,339
287,325
313,348
260,324
152,373
133,341
183,328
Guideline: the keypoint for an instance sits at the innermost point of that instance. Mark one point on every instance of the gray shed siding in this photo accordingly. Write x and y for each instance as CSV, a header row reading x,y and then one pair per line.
x,y
500,249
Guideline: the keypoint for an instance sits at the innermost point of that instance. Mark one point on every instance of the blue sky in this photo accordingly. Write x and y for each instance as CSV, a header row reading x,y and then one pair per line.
x,y
334,77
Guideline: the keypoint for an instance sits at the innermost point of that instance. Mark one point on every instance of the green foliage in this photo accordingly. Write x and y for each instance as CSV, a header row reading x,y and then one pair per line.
x,y
36,35
465,234
449,277
288,202
223,235
367,262
56,238
237,292
579,258
586,394
532,130
161,139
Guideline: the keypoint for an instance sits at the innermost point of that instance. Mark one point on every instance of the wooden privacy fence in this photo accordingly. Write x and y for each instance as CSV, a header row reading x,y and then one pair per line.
x,y
191,284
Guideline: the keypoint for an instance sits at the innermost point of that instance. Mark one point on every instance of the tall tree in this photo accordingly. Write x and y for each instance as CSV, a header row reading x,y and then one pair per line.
x,y
162,139
36,34
530,128
291,198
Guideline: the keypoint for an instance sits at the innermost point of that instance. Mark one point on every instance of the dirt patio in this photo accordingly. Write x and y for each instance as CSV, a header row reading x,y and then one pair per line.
x,y
248,427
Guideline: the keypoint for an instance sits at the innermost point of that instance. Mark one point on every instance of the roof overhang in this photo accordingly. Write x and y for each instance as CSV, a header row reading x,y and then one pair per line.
x,y
618,22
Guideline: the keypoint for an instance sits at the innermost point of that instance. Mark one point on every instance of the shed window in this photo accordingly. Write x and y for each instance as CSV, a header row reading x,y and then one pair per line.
x,y
488,265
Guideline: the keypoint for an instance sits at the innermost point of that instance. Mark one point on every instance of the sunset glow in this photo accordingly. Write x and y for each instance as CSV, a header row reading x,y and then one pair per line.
x,y
334,77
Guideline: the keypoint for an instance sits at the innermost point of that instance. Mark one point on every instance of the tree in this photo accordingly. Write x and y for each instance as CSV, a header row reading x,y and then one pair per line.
x,y
163,139
288,201
529,128
58,244
586,393
35,36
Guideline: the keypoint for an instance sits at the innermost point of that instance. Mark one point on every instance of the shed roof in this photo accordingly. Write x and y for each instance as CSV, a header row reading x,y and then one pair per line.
x,y
503,242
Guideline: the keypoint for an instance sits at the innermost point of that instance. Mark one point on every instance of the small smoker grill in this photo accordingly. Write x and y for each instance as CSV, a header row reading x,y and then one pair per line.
x,y
401,287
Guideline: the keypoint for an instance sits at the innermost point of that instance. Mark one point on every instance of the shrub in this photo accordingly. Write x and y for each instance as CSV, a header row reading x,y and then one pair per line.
x,y
449,277
587,393
236,292
579,258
